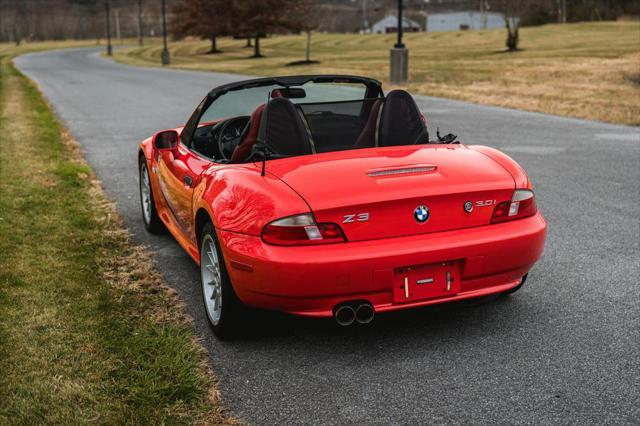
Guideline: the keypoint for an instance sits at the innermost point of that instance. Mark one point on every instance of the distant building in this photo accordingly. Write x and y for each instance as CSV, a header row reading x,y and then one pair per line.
x,y
471,20
389,24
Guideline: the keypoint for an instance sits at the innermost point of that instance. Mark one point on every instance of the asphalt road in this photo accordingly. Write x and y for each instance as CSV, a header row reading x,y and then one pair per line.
x,y
565,349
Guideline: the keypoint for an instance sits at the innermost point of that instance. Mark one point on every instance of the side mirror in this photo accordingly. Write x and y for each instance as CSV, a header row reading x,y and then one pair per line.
x,y
166,140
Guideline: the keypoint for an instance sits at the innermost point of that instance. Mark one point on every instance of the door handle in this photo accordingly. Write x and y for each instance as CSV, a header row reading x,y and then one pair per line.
x,y
187,180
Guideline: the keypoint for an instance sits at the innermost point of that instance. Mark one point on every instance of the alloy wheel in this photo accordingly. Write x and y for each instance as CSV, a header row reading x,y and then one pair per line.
x,y
145,193
211,279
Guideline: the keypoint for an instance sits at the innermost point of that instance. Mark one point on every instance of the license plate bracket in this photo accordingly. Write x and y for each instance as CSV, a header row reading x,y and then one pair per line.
x,y
414,283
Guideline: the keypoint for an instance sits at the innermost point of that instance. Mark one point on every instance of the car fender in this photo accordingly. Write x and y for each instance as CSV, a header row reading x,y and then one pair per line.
x,y
509,164
146,148
239,199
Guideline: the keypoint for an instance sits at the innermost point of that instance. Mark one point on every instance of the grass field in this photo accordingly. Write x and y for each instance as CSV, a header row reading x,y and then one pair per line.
x,y
586,70
88,331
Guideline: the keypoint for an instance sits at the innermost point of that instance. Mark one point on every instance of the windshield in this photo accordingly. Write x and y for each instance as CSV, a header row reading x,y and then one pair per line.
x,y
245,101
301,115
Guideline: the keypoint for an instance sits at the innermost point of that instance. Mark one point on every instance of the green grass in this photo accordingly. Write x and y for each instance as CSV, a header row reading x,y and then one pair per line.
x,y
88,331
584,70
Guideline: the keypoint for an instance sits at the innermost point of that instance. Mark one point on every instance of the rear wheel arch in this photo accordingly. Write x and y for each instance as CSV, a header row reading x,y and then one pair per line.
x,y
227,314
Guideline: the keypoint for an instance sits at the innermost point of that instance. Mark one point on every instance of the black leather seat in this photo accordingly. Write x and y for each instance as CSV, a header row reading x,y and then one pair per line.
x,y
283,129
401,122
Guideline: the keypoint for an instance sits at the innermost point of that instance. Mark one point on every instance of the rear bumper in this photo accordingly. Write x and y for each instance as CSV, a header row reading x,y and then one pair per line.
x,y
311,280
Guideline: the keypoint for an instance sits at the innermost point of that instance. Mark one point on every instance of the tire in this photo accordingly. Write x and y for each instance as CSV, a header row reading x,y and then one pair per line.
x,y
150,217
224,310
518,287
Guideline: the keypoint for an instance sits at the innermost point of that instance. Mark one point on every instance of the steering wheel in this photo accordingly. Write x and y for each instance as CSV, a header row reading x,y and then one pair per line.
x,y
230,135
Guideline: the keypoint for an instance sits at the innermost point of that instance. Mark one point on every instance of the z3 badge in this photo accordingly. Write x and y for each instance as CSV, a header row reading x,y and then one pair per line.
x,y
360,217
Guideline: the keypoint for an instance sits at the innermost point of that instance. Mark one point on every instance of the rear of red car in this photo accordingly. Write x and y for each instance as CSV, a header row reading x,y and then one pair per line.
x,y
390,228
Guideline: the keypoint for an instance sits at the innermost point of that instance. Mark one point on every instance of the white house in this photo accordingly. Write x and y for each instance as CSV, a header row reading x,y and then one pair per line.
x,y
389,24
471,20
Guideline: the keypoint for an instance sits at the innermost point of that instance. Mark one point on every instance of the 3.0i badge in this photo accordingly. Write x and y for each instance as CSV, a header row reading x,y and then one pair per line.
x,y
421,214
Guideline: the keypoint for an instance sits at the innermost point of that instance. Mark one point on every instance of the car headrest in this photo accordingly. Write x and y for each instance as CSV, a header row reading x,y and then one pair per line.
x,y
283,130
401,122
249,136
368,135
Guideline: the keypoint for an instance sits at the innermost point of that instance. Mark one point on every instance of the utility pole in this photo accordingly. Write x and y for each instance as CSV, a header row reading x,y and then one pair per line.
x,y
165,50
365,21
399,44
483,13
108,14
399,67
562,11
140,42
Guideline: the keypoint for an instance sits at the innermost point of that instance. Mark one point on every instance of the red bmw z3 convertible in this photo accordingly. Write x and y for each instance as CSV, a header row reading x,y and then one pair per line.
x,y
319,195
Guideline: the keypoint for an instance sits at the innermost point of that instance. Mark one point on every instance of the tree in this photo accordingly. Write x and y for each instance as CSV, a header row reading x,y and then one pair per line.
x,y
207,19
257,18
513,11
20,23
306,13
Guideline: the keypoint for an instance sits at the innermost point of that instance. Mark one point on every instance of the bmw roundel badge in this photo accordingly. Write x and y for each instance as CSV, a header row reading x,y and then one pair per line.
x,y
421,214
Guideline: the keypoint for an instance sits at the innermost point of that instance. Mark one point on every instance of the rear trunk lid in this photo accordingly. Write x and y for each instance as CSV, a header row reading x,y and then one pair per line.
x,y
385,192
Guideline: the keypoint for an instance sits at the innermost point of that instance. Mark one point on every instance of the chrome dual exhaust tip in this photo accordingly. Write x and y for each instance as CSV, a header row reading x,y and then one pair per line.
x,y
346,314
364,313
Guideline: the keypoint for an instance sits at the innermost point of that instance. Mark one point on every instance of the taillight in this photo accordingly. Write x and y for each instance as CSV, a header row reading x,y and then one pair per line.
x,y
522,204
301,230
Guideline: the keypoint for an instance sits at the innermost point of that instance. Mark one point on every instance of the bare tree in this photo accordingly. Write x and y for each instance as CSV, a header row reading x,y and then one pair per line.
x,y
84,19
202,18
76,19
261,17
306,13
513,11
304,16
